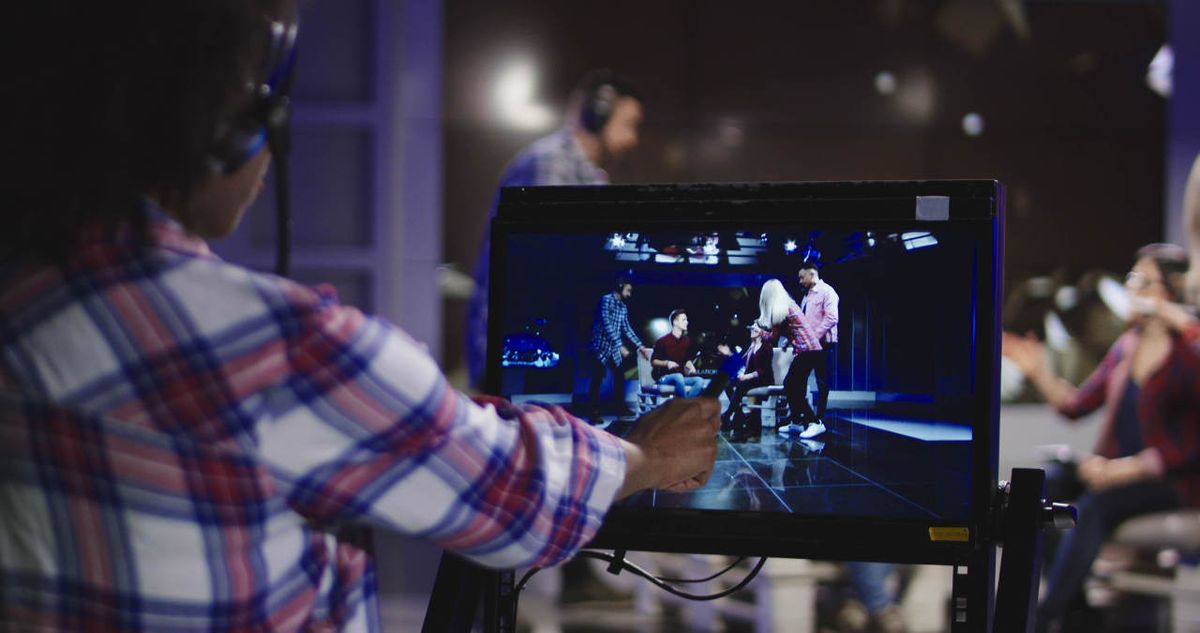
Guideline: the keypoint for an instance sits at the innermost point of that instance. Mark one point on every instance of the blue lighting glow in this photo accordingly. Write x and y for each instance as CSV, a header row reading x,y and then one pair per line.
x,y
527,350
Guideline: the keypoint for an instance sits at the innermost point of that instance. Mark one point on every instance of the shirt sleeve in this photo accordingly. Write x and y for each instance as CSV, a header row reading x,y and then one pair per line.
x,y
1090,395
829,308
366,428
612,327
629,333
801,333
1170,409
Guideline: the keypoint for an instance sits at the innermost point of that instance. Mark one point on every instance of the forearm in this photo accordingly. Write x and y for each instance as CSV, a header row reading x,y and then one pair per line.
x,y
1143,466
556,479
1053,389
637,474
632,336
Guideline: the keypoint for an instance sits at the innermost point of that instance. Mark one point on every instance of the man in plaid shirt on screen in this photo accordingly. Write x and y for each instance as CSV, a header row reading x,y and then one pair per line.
x,y
610,340
181,439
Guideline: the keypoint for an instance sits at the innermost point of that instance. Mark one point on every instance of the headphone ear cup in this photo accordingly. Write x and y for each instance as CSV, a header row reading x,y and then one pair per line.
x,y
598,108
242,136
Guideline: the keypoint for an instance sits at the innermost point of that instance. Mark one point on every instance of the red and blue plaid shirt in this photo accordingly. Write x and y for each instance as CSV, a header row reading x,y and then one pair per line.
x,y
1168,406
797,330
180,437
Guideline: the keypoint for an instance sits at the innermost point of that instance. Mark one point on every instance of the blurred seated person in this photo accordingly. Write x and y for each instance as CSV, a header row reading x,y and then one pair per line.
x,y
671,362
1148,454
756,371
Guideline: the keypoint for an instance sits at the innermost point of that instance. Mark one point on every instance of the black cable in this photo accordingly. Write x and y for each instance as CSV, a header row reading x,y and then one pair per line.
x,y
661,583
686,581
638,571
525,579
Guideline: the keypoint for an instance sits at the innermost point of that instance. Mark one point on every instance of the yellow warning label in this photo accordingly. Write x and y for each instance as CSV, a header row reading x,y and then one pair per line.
x,y
952,534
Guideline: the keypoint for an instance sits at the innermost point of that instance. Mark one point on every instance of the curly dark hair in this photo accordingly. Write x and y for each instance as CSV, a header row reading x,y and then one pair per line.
x,y
118,99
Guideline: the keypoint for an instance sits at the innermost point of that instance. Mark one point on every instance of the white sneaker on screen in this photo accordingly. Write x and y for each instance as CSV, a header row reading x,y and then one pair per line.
x,y
813,430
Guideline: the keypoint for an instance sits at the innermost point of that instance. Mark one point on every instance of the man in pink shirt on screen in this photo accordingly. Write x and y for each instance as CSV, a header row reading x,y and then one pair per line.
x,y
820,308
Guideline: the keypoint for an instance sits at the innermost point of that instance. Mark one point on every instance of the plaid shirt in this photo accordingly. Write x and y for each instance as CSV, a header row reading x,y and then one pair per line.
x,y
211,426
609,325
797,330
1168,407
555,159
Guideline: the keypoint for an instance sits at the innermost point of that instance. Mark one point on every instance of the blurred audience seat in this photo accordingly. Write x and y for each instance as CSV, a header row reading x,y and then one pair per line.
x,y
1172,539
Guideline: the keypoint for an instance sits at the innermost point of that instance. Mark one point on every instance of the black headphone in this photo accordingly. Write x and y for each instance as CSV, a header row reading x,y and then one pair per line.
x,y
597,107
598,93
264,121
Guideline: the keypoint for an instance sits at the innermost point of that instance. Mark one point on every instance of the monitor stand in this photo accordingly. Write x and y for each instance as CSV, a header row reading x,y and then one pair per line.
x,y
1024,514
1019,515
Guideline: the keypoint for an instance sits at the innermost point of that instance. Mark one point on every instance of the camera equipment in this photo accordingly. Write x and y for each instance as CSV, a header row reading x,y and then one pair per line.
x,y
907,472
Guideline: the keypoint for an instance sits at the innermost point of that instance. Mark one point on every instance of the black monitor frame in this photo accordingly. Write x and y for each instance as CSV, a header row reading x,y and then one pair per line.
x,y
974,206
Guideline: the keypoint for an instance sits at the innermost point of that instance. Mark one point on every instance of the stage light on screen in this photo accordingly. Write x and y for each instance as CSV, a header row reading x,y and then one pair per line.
x,y
513,94
789,246
914,240
616,241
658,328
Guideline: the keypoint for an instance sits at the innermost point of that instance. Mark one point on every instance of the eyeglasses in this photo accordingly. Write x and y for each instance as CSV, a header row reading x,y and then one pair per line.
x,y
1135,280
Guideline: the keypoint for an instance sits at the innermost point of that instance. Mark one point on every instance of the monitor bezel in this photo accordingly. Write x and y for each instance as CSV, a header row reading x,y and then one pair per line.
x,y
976,206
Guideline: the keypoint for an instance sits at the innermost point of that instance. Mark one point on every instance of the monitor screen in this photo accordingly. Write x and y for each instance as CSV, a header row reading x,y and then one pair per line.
x,y
857,330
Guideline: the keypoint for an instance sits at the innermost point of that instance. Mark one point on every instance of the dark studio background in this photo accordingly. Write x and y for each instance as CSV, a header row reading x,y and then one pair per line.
x,y
759,91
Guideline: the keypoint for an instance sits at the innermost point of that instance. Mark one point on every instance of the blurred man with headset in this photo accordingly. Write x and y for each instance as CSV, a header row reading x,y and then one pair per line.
x,y
601,125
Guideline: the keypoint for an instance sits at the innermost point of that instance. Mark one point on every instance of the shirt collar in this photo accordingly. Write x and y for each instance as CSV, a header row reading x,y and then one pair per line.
x,y
166,231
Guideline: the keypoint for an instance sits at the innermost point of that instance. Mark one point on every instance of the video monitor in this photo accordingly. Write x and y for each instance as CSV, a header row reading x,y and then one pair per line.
x,y
877,443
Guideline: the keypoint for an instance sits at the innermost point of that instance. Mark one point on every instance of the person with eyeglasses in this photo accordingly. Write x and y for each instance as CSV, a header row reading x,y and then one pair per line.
x,y
1147,458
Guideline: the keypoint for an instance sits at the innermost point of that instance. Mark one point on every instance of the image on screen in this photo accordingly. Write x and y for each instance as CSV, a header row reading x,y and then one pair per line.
x,y
875,420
